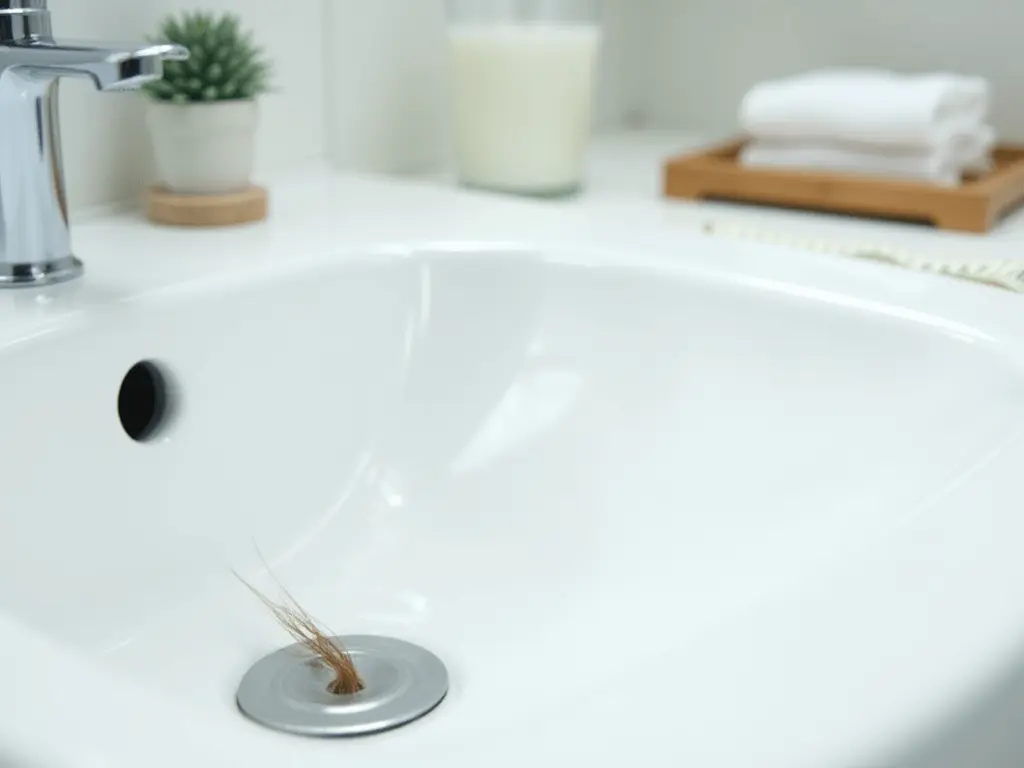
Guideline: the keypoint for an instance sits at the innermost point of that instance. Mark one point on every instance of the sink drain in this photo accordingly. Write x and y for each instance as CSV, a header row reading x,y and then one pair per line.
x,y
287,690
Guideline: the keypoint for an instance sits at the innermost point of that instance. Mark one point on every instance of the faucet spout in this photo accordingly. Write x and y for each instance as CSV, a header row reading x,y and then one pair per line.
x,y
35,239
111,66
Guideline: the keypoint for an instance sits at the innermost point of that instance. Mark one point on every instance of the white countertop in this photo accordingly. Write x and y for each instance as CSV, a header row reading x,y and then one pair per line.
x,y
624,177
126,255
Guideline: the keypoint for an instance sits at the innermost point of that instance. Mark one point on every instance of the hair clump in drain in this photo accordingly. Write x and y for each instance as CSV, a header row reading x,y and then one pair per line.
x,y
305,630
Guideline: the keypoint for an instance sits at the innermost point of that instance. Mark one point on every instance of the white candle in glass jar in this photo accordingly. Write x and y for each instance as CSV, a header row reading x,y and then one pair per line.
x,y
523,95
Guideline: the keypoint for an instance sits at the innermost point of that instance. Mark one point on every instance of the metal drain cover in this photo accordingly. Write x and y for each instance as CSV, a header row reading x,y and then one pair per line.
x,y
287,690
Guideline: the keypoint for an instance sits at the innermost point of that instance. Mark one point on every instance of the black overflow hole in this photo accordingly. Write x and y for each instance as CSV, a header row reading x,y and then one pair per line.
x,y
143,402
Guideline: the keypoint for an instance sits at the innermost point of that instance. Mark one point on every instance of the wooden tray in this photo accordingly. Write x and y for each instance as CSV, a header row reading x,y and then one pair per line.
x,y
974,206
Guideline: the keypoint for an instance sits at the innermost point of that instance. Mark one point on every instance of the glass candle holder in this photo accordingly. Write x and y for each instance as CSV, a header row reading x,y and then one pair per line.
x,y
523,75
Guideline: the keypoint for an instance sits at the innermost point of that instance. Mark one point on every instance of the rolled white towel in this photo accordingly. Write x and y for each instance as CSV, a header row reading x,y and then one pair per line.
x,y
865,105
940,166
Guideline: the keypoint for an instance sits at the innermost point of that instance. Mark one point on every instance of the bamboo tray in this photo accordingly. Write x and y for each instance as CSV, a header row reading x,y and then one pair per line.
x,y
974,206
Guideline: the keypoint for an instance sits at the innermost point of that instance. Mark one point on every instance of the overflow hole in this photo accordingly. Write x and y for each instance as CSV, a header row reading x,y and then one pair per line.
x,y
143,403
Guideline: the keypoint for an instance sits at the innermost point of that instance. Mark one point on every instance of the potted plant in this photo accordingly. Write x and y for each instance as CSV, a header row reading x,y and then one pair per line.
x,y
203,114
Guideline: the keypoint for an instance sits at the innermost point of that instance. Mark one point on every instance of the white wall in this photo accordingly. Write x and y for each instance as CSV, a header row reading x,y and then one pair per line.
x,y
699,56
106,147
385,83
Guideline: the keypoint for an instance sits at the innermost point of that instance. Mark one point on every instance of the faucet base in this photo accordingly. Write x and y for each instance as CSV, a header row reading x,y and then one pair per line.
x,y
40,273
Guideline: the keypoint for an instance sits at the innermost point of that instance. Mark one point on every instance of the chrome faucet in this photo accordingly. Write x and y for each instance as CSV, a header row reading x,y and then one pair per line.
x,y
35,237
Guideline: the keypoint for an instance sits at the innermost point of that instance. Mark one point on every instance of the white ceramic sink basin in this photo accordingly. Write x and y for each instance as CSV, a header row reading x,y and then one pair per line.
x,y
743,508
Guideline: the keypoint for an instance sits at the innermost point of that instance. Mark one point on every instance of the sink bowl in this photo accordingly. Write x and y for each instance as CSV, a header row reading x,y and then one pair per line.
x,y
747,508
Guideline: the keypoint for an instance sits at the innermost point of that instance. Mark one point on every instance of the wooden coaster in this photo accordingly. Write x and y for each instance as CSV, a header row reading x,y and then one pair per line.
x,y
166,207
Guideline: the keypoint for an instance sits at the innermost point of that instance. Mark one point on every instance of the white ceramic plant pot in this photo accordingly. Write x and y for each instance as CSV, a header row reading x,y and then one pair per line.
x,y
204,148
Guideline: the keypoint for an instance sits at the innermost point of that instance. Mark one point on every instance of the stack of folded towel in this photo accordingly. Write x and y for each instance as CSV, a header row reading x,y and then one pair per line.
x,y
931,127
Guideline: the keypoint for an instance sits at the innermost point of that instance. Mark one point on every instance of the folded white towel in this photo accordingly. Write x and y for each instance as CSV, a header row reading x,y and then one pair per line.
x,y
865,105
969,150
940,166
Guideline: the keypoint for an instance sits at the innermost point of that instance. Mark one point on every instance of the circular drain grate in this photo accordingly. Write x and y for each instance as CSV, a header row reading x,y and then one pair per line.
x,y
287,690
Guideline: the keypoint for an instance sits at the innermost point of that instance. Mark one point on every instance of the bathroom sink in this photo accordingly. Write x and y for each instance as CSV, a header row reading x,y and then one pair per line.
x,y
747,507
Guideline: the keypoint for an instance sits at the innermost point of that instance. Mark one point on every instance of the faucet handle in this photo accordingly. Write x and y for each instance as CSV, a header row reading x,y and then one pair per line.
x,y
170,51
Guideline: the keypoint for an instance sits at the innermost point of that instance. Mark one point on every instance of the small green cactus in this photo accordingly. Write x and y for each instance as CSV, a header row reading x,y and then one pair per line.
x,y
224,62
